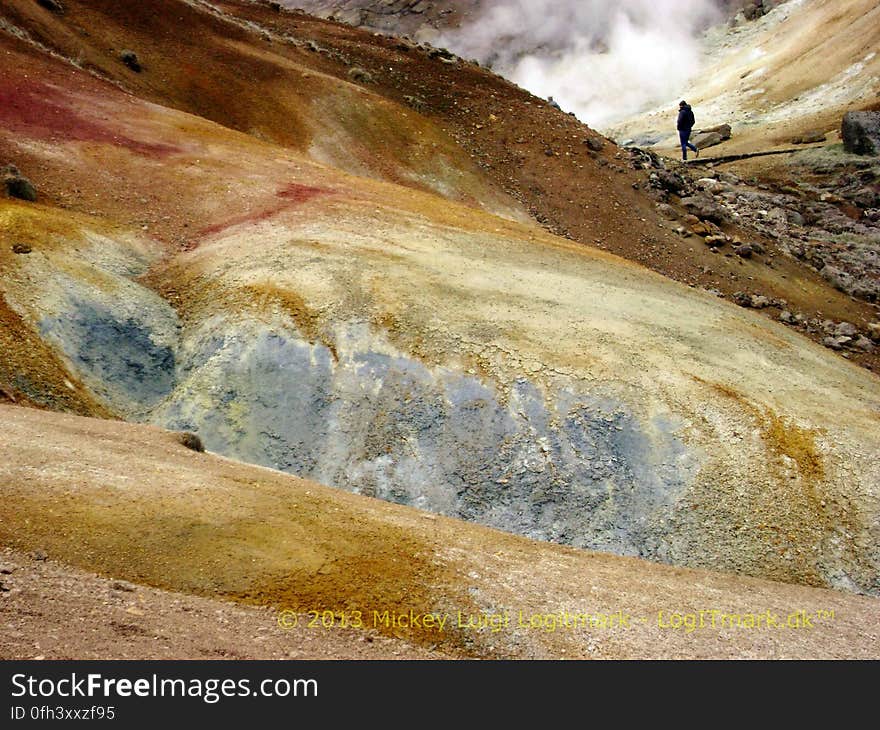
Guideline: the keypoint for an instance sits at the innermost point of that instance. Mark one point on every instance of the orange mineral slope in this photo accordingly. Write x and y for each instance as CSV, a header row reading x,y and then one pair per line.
x,y
132,504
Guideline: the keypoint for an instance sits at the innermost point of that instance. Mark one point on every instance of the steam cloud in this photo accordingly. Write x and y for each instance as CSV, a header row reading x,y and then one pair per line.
x,y
604,60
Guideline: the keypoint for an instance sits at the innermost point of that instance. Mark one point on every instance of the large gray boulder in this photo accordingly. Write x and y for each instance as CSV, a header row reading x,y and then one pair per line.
x,y
861,133
707,139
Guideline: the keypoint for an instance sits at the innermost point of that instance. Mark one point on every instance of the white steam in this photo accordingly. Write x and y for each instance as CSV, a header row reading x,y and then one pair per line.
x,y
604,60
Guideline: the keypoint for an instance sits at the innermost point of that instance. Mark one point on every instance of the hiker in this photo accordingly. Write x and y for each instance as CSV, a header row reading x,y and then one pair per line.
x,y
552,102
686,123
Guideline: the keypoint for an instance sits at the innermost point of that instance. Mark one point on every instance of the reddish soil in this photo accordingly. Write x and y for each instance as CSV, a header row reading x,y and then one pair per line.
x,y
296,194
43,112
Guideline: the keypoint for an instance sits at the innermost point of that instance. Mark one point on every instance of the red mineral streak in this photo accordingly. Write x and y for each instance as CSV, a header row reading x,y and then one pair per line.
x,y
294,193
39,111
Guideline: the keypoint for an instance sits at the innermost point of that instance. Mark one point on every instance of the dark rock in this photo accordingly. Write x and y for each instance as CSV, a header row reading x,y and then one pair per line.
x,y
6,569
21,188
744,251
671,182
743,299
595,144
360,76
190,441
53,6
21,248
39,555
130,59
758,248
861,133
705,208
415,102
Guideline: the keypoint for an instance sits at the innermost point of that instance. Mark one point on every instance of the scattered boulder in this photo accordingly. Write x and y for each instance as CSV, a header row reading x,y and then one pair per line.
x,y
671,182
846,329
667,211
706,230
190,440
838,278
17,185
442,54
595,144
745,251
725,130
360,76
861,133
863,344
705,208
707,139
130,59
751,301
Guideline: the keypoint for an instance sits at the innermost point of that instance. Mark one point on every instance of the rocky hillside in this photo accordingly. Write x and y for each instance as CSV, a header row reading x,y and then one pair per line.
x,y
377,267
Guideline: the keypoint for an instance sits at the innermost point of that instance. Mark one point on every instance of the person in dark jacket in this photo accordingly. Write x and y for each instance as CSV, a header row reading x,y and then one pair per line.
x,y
686,123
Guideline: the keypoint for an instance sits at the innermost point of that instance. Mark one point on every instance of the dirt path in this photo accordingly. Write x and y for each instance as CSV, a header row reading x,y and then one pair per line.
x,y
52,611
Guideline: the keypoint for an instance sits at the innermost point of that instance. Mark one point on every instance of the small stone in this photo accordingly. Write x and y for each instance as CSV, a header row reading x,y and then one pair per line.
x,y
39,555
360,76
863,344
121,585
760,302
130,59
6,569
846,329
190,440
831,342
21,248
744,252
786,317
